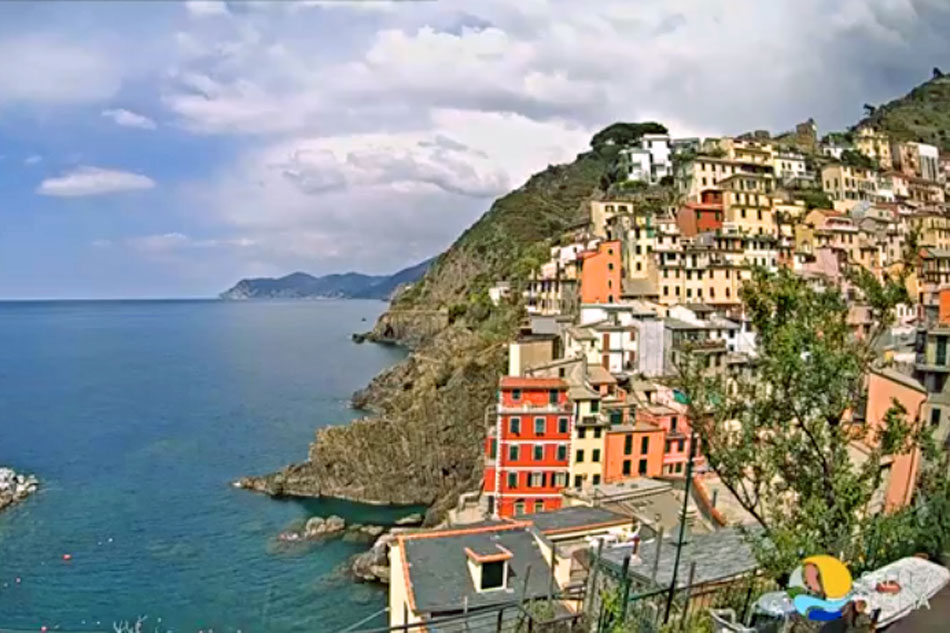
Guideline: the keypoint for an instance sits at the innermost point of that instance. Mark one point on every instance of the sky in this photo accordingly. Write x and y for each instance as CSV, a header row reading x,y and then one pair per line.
x,y
168,149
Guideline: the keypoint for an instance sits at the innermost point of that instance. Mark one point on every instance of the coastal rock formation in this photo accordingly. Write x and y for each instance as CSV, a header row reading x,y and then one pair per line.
x,y
15,487
316,528
373,564
421,442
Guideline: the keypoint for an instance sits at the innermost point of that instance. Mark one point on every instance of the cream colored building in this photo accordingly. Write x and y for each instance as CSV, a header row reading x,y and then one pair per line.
x,y
845,183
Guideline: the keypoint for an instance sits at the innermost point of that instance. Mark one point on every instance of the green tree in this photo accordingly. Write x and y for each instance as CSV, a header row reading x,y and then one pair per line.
x,y
624,134
778,434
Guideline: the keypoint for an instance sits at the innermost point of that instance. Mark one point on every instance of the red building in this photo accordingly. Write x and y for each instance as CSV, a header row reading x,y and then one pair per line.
x,y
702,216
677,432
527,450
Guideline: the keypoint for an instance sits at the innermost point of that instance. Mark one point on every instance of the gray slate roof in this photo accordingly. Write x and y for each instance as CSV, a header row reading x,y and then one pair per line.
x,y
439,576
572,517
718,555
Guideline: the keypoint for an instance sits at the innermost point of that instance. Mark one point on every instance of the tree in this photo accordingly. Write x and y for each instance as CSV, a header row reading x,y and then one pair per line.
x,y
779,434
869,109
624,134
815,200
937,73
854,158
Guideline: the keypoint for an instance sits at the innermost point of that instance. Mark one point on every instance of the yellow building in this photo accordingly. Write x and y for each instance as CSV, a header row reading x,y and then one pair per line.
x,y
933,229
846,183
747,204
589,442
874,144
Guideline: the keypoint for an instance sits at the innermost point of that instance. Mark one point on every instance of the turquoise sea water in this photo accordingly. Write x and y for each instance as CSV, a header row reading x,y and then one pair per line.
x,y
137,416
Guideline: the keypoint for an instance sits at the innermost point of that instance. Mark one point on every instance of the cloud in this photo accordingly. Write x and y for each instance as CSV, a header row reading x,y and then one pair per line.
x,y
175,242
206,8
127,118
41,68
101,243
93,181
33,159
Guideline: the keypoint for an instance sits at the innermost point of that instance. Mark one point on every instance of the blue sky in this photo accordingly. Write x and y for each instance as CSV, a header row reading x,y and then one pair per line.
x,y
167,149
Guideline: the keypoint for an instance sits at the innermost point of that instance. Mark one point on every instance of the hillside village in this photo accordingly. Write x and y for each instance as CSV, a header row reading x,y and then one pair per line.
x,y
590,438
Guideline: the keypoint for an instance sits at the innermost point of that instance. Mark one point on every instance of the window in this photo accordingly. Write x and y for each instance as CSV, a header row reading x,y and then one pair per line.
x,y
934,416
666,291
562,425
493,449
644,445
536,480
514,426
596,479
642,467
579,456
516,394
680,445
538,452
493,574
513,453
578,480
561,452
594,406
560,480
679,467
595,456
597,432
627,444
512,480
581,432
519,506
539,426
539,506
626,467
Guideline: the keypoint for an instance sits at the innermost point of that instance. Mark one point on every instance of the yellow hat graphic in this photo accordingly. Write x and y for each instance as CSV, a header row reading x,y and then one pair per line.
x,y
835,577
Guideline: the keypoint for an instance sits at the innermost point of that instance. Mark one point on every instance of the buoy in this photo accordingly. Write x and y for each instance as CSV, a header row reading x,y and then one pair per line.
x,y
43,629
67,556
18,581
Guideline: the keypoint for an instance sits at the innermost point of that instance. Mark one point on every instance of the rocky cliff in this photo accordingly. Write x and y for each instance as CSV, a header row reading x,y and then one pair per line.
x,y
421,441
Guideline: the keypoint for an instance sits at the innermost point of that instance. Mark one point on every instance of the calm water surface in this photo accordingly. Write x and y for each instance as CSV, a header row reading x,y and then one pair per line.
x,y
136,416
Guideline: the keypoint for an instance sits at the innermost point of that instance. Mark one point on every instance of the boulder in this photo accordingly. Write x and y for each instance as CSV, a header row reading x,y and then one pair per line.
x,y
411,519
335,524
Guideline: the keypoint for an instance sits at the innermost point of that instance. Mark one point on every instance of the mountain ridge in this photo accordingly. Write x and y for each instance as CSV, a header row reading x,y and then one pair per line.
x,y
348,285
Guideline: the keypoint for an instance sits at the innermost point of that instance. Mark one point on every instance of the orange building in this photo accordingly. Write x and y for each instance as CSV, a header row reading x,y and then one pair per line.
x,y
900,471
526,453
601,273
633,450
676,437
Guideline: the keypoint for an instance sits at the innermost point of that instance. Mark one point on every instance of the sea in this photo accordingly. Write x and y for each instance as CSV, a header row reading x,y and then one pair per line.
x,y
137,416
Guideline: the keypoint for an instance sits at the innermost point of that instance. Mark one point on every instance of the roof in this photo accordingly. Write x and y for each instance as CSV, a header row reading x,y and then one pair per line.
x,y
436,565
580,392
574,518
524,382
581,334
717,555
599,376
638,288
898,377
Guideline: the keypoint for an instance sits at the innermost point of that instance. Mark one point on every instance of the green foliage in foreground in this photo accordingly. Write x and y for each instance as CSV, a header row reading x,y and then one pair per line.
x,y
779,436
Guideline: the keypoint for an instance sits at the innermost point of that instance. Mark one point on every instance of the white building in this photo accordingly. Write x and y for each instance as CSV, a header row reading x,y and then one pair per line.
x,y
651,160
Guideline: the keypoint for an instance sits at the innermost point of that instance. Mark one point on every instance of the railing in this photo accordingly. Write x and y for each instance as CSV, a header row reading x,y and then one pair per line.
x,y
558,613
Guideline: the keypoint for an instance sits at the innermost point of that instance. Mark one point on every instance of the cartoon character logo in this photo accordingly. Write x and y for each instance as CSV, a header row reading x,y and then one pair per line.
x,y
820,588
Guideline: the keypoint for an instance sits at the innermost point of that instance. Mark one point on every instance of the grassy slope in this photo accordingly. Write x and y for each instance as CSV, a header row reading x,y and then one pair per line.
x,y
922,115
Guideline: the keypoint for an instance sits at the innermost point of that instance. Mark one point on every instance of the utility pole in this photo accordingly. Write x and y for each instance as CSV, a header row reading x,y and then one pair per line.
x,y
682,531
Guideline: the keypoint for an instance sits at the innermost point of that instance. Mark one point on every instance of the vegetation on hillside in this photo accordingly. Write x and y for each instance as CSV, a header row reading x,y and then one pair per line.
x,y
922,115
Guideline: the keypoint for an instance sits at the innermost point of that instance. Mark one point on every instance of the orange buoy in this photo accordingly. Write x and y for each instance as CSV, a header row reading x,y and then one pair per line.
x,y
67,556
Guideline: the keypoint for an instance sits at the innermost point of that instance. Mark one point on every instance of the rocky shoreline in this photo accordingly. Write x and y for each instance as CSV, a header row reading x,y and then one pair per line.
x,y
15,487
369,566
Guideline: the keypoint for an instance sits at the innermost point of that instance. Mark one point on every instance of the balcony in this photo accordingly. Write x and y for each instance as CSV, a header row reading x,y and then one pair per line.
x,y
534,408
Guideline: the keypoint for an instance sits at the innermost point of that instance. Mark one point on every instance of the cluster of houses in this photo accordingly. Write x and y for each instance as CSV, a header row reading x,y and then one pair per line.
x,y
586,438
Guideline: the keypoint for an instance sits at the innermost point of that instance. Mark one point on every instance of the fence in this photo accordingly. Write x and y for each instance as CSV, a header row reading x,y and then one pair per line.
x,y
619,604
559,613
